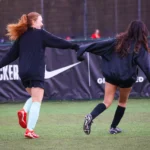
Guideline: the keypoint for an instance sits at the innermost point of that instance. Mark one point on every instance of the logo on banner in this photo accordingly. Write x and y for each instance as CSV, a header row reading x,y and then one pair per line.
x,y
10,72
50,74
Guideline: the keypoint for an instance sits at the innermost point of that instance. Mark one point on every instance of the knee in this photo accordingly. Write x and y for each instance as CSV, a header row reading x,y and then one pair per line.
x,y
36,99
107,104
122,103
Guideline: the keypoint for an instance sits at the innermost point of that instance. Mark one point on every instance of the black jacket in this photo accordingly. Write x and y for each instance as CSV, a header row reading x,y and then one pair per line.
x,y
30,49
116,67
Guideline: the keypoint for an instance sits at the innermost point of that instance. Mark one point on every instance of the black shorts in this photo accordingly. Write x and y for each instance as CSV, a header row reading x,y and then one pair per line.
x,y
33,83
122,84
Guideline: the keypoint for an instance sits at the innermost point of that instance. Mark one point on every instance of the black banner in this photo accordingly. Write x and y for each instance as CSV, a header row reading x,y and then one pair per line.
x,y
65,78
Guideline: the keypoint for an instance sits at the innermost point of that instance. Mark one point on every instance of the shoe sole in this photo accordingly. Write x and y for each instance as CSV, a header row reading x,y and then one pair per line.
x,y
21,122
86,122
115,132
27,136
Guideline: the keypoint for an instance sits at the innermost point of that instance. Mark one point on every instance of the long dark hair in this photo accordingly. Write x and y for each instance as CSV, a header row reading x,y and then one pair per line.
x,y
15,30
137,32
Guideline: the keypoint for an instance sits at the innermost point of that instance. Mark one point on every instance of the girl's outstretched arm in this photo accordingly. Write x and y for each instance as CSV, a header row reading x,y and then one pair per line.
x,y
11,55
98,48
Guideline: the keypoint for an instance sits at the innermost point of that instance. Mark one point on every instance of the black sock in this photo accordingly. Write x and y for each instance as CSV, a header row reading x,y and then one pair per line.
x,y
98,110
118,116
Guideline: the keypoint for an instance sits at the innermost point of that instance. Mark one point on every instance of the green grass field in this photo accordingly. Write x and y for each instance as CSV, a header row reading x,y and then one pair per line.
x,y
60,127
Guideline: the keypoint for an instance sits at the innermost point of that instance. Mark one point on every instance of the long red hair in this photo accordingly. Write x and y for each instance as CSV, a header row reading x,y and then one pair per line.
x,y
15,30
137,32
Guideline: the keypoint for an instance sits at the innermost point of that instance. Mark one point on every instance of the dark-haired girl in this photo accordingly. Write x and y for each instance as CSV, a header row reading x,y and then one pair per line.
x,y
120,58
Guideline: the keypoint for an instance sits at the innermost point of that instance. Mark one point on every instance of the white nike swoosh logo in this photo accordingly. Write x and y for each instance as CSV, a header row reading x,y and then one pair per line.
x,y
50,74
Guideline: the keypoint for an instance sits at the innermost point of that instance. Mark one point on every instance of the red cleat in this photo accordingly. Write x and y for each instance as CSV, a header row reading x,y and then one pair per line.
x,y
31,134
22,118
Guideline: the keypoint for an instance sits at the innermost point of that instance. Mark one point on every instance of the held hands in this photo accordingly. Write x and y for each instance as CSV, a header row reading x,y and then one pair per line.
x,y
76,47
80,54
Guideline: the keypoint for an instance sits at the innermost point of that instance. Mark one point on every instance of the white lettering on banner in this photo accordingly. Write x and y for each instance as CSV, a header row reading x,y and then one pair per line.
x,y
102,80
9,72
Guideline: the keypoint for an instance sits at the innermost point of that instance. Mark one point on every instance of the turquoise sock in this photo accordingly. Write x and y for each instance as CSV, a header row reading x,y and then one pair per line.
x,y
27,105
33,115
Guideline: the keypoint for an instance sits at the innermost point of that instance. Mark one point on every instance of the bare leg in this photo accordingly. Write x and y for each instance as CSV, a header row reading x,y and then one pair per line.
x,y
108,98
110,91
124,94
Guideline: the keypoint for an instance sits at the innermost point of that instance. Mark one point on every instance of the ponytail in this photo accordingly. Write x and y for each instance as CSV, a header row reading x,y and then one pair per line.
x,y
17,29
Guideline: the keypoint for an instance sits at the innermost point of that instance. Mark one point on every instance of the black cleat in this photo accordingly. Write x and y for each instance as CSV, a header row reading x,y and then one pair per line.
x,y
87,124
115,130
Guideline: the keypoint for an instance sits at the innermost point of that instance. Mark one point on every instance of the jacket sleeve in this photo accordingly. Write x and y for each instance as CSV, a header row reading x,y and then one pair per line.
x,y
11,55
98,48
142,59
53,41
